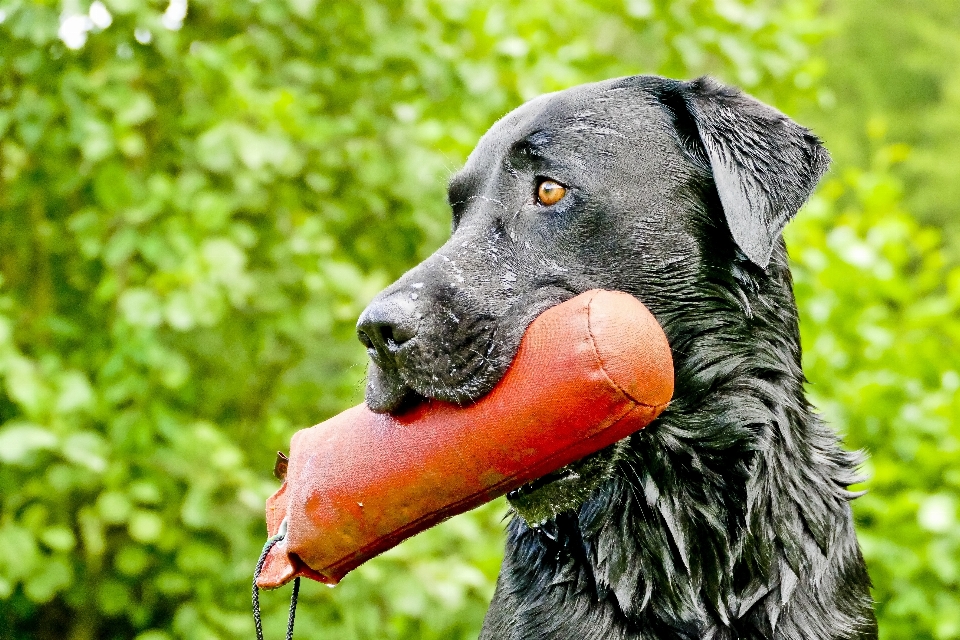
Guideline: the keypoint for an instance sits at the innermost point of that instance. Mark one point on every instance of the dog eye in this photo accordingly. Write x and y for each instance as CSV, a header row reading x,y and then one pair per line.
x,y
550,192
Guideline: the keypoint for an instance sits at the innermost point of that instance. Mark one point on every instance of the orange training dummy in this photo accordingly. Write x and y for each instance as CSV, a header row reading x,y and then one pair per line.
x,y
588,373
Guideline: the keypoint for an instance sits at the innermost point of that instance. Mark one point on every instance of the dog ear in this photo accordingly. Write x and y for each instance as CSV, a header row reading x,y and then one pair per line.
x,y
764,164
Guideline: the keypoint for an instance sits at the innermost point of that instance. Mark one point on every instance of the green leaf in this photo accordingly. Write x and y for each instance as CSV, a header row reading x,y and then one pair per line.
x,y
49,577
140,307
58,538
114,507
20,441
145,526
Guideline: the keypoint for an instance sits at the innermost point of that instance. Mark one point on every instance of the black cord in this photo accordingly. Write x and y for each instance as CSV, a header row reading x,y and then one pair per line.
x,y
256,591
293,607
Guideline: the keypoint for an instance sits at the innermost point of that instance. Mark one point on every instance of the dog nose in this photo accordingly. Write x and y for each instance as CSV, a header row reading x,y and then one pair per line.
x,y
386,325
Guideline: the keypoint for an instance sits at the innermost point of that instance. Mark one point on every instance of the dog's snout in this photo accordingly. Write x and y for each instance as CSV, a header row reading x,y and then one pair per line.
x,y
385,326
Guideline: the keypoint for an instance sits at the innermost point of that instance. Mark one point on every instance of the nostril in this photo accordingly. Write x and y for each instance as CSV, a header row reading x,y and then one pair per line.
x,y
394,336
398,335
365,339
382,336
387,332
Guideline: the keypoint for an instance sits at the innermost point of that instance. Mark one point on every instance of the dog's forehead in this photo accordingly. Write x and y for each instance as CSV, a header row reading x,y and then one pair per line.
x,y
605,107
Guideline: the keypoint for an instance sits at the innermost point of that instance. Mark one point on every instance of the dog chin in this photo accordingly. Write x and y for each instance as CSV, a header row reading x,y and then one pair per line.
x,y
388,392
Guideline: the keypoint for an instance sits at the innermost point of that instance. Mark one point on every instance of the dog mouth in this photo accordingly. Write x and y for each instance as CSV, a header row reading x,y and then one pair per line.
x,y
419,372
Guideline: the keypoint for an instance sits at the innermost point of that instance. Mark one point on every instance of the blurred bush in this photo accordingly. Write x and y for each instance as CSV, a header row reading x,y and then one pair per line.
x,y
197,200
897,65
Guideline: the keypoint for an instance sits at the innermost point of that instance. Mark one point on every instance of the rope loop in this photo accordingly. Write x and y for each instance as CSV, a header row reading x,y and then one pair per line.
x,y
256,590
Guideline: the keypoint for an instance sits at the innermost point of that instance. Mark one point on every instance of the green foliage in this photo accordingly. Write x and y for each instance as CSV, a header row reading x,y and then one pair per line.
x,y
897,65
193,211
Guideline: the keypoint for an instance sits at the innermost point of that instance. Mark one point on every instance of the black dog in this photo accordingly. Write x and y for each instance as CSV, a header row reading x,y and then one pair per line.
x,y
729,516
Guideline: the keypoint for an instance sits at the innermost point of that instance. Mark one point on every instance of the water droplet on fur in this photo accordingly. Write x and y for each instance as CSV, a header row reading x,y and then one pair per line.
x,y
414,296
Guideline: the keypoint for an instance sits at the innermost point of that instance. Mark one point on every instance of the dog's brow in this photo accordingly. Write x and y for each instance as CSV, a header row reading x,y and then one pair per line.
x,y
532,144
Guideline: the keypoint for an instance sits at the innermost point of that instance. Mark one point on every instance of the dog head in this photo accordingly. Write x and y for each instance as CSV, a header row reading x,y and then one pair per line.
x,y
642,184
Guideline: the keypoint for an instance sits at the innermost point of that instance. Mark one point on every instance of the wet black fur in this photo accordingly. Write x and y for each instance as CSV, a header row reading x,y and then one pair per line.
x,y
729,516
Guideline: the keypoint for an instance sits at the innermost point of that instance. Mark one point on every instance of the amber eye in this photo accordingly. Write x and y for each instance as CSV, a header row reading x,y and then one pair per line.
x,y
550,192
